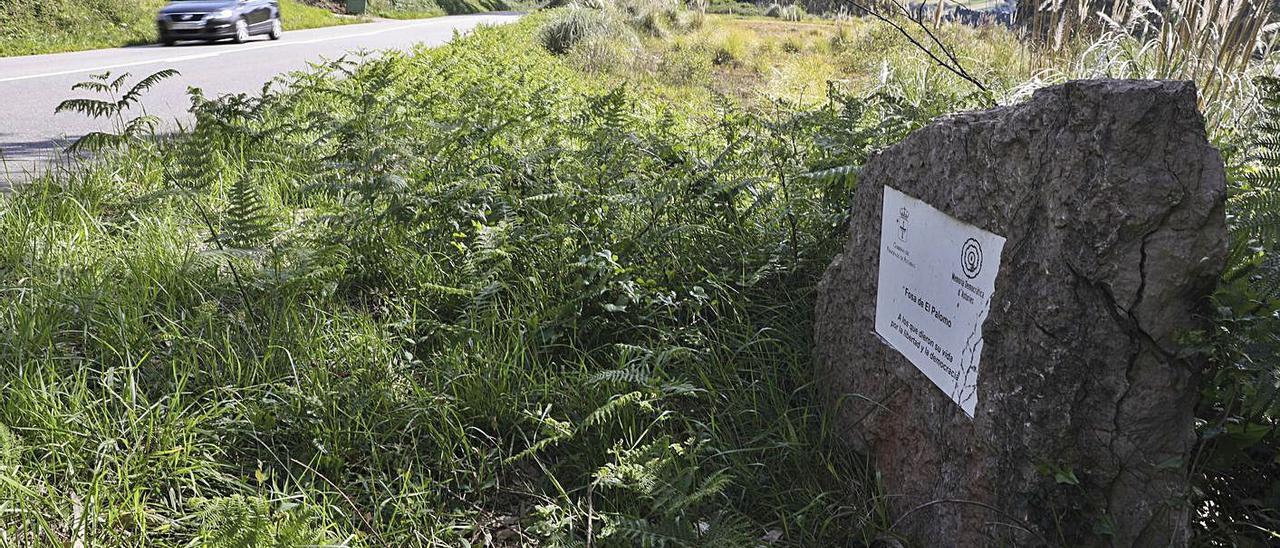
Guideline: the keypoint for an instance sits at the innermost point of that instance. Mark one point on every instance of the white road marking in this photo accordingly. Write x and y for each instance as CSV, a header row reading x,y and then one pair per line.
x,y
194,57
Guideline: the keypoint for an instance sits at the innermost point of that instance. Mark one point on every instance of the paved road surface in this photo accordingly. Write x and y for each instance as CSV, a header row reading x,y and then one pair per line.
x,y
31,136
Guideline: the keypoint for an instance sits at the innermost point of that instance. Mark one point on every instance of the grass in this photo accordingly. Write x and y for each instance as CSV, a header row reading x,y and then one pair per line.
x,y
29,27
488,293
360,331
418,9
299,16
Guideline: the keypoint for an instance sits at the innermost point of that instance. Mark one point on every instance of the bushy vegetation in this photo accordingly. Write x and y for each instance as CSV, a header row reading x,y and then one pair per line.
x,y
549,284
413,9
49,26
788,12
734,7
362,309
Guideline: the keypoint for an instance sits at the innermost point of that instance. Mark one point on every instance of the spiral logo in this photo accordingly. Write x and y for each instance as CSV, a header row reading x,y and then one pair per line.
x,y
971,258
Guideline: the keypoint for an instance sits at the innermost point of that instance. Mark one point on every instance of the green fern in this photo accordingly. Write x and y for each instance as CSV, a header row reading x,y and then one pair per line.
x,y
1254,202
238,521
114,105
685,505
247,223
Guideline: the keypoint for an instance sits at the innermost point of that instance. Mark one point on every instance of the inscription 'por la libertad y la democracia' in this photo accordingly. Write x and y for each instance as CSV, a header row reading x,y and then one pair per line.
x,y
937,275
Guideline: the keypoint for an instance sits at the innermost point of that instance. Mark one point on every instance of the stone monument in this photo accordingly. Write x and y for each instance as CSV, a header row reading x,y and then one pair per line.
x,y
1001,332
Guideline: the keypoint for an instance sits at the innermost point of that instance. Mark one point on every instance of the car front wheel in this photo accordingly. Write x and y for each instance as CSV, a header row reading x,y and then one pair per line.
x,y
277,29
242,31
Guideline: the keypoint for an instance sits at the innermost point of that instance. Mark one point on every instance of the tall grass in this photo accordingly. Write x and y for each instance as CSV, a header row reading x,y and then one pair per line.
x,y
1216,43
438,298
490,294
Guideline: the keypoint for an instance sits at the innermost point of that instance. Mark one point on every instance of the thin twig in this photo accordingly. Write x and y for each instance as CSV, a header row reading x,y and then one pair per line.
x,y
953,65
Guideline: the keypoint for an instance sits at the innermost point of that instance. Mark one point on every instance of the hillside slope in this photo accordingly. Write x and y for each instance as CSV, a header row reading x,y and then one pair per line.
x,y
47,26
407,9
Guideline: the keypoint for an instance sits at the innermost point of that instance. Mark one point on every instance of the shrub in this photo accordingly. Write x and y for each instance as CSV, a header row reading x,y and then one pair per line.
x,y
731,50
685,21
734,7
650,17
1236,474
685,64
793,12
599,54
399,284
568,26
842,38
652,22
789,12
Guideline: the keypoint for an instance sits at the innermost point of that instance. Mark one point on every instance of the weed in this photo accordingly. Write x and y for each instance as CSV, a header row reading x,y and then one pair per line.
x,y
568,27
403,299
733,49
490,293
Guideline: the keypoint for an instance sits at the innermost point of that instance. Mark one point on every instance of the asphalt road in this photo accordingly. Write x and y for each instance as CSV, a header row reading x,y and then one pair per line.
x,y
32,137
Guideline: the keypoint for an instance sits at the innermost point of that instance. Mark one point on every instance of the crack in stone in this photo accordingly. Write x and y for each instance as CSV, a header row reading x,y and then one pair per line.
x,y
1138,338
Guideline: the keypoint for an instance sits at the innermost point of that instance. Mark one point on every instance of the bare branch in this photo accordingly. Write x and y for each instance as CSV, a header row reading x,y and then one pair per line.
x,y
951,63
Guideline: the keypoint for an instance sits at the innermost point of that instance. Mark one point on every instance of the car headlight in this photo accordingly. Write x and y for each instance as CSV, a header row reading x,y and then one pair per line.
x,y
221,14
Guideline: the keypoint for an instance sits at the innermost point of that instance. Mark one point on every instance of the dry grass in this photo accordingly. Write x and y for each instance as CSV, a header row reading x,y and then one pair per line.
x,y
1212,42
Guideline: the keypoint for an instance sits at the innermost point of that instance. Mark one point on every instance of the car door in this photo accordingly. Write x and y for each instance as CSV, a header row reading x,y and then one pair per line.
x,y
252,11
264,13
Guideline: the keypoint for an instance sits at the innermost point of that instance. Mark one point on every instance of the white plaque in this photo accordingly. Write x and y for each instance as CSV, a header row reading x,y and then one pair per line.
x,y
937,275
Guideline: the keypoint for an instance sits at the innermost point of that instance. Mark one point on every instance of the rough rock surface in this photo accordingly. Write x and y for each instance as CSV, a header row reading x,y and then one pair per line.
x,y
1112,202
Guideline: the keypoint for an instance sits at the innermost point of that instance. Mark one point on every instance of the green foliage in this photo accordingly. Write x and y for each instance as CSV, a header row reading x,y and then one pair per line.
x,y
734,7
1238,475
788,12
40,26
599,23
428,292
569,26
238,521
114,106
401,9
733,49
247,223
472,294
48,26
1255,198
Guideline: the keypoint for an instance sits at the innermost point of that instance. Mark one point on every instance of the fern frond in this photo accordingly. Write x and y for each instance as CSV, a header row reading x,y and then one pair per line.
x,y
96,141
96,83
94,108
247,223
141,126
640,532
1267,277
609,410
629,375
118,83
1267,176
713,485
135,93
1254,204
238,521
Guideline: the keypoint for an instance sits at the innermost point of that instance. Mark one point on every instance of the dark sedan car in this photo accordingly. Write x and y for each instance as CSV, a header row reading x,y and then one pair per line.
x,y
218,19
